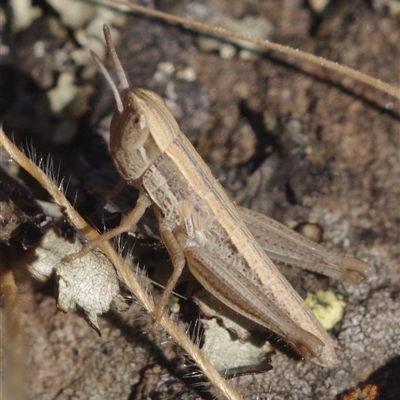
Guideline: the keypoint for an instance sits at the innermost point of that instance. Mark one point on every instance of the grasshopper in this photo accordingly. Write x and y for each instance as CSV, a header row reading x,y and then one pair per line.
x,y
226,247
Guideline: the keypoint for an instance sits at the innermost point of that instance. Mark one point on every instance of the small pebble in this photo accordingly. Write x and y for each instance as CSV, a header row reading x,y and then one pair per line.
x,y
311,231
187,74
257,27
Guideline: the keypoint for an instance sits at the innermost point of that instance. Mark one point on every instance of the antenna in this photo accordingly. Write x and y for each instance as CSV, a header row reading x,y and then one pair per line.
x,y
114,58
111,83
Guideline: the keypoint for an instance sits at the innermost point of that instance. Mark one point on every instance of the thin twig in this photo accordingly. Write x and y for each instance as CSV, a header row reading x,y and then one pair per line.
x,y
265,44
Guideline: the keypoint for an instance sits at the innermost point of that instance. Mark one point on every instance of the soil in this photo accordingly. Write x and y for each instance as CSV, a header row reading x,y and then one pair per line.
x,y
285,138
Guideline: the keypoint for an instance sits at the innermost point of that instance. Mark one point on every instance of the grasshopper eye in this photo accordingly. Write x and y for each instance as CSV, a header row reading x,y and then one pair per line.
x,y
136,130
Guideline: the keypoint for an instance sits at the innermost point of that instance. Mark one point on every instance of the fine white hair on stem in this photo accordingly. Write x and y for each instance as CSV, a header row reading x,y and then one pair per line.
x,y
103,70
47,166
114,58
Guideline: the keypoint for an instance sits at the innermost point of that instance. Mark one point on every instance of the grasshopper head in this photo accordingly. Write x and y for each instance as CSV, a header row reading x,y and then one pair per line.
x,y
141,133
142,128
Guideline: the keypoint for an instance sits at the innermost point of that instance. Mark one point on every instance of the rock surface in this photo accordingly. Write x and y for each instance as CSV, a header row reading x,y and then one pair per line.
x,y
285,138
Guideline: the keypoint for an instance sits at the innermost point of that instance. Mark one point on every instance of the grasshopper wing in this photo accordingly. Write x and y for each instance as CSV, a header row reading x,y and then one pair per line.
x,y
287,246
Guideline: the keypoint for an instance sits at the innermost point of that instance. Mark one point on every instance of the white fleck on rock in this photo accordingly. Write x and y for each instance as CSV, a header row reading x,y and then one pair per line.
x,y
164,70
187,74
228,342
231,355
318,6
257,27
63,94
23,13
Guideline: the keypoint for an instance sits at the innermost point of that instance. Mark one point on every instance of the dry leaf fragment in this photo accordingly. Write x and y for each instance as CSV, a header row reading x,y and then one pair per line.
x,y
45,234
89,282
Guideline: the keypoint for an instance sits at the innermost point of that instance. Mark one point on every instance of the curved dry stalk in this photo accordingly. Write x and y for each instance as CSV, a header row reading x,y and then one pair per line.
x,y
125,272
265,44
